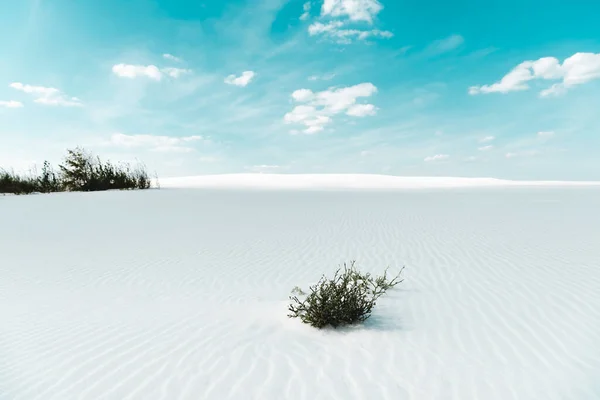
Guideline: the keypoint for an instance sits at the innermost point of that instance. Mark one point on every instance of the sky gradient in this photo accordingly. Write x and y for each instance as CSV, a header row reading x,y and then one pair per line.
x,y
505,89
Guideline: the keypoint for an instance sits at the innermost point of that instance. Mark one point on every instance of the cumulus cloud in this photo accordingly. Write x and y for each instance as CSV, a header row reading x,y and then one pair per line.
x,y
134,71
578,69
131,71
47,95
242,80
437,157
319,107
154,142
343,17
355,10
361,110
171,57
10,104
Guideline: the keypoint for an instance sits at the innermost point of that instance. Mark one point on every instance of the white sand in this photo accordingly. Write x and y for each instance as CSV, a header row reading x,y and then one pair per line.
x,y
347,181
182,294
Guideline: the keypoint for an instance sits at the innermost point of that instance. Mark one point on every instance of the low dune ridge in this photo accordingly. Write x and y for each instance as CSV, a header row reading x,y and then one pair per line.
x,y
182,294
348,181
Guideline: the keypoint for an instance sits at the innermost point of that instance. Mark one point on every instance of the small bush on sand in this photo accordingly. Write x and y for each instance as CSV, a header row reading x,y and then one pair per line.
x,y
10,182
80,172
347,298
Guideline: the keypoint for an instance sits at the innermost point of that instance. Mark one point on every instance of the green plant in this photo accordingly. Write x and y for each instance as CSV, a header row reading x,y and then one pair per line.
x,y
347,298
80,171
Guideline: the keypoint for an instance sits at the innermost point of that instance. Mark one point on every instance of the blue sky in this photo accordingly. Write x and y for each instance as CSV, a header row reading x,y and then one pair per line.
x,y
508,89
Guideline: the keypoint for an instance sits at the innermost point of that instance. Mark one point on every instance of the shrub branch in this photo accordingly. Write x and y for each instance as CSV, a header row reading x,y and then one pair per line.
x,y
347,298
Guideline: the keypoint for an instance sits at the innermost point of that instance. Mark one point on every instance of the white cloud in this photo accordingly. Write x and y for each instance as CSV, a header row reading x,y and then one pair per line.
x,y
355,10
47,95
176,72
578,69
526,153
134,71
341,14
361,110
148,71
557,89
311,130
300,114
333,30
437,157
444,45
316,124
320,28
10,104
242,80
485,148
171,57
302,95
319,107
487,139
326,77
155,143
59,101
306,14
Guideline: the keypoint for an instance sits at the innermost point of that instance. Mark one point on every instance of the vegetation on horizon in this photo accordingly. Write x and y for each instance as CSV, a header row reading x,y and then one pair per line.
x,y
348,298
81,171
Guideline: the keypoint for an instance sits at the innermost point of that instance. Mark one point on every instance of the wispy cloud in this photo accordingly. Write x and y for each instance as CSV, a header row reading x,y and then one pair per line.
x,y
578,69
10,104
487,139
334,30
325,77
445,45
155,142
243,80
437,157
485,148
171,57
525,153
47,95
176,72
306,14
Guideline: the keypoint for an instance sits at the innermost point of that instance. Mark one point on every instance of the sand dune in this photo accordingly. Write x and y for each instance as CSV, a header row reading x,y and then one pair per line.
x,y
181,294
348,181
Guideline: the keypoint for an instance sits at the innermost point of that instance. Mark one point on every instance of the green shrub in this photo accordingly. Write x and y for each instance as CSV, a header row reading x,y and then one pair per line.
x,y
81,172
10,182
347,298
